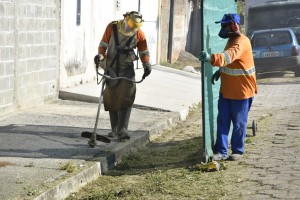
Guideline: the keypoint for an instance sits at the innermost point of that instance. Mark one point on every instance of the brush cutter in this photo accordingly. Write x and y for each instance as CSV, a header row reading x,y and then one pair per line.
x,y
93,136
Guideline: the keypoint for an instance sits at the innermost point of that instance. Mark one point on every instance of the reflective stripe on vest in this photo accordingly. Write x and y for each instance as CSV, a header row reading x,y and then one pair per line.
x,y
227,58
237,72
146,52
103,44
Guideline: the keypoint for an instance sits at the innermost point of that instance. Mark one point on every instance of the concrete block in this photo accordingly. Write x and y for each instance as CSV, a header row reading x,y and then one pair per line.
x,y
4,82
25,79
10,39
9,69
2,98
22,10
38,11
49,75
38,38
9,97
27,52
2,69
34,77
52,36
22,66
4,54
2,9
11,83
2,38
11,55
30,38
45,37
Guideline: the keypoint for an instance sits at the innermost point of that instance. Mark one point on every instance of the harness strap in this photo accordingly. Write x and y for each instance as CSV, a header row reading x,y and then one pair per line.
x,y
120,49
116,58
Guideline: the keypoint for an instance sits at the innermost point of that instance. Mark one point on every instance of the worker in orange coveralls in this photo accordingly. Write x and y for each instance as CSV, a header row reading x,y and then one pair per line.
x,y
116,56
238,87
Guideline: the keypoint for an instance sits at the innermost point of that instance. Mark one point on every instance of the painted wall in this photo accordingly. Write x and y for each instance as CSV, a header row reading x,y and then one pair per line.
x,y
80,42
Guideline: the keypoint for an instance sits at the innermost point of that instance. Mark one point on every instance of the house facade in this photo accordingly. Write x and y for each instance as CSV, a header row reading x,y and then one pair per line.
x,y
47,45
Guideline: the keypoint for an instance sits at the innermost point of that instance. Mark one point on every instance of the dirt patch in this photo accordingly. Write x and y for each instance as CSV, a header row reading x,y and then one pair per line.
x,y
4,164
184,59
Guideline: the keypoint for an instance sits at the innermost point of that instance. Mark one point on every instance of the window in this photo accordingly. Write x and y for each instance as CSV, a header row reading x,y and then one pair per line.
x,y
78,13
272,38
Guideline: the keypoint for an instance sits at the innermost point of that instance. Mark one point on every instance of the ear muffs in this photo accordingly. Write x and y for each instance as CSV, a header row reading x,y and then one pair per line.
x,y
234,27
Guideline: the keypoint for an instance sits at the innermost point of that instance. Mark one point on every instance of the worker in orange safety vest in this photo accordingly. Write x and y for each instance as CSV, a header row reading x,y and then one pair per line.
x,y
237,90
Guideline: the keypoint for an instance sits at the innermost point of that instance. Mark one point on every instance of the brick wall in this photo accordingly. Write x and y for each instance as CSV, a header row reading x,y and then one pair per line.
x,y
28,52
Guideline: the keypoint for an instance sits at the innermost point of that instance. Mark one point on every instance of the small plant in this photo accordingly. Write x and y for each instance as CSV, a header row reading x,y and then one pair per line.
x,y
69,167
29,165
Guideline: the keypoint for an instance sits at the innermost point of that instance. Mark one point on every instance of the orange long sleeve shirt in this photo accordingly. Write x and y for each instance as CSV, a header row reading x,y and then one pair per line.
x,y
141,43
238,78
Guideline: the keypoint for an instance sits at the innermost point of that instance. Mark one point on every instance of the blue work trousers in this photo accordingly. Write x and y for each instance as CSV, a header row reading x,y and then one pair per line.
x,y
235,111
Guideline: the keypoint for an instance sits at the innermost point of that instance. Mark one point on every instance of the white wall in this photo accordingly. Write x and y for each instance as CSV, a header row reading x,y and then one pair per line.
x,y
79,44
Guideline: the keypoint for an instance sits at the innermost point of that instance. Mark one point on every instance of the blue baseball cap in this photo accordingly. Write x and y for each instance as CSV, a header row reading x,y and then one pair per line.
x,y
230,17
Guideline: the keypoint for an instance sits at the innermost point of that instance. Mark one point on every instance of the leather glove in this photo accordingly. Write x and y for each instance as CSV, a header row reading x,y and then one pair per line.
x,y
204,56
215,77
147,69
99,61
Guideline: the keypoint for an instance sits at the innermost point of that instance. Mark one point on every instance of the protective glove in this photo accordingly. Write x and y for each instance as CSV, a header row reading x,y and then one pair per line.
x,y
204,56
147,69
99,61
215,77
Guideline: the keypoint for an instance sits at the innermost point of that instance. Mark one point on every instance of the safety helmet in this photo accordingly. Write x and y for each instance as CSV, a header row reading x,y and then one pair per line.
x,y
134,19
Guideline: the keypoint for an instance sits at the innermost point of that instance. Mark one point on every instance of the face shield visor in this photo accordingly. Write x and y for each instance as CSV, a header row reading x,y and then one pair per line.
x,y
134,20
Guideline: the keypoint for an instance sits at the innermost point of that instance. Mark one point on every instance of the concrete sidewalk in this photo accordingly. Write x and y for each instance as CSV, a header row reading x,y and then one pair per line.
x,y
166,88
39,146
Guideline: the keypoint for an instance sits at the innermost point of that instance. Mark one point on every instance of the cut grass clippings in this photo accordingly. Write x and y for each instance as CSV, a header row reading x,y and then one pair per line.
x,y
161,170
166,169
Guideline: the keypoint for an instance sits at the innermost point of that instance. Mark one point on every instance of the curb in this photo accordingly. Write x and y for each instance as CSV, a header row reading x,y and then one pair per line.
x,y
104,163
114,155
73,184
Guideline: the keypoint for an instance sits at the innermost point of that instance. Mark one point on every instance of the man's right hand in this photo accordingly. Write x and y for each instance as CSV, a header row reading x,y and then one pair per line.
x,y
204,56
215,77
99,61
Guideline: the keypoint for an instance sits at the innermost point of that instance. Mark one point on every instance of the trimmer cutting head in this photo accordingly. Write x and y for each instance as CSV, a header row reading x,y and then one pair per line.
x,y
87,134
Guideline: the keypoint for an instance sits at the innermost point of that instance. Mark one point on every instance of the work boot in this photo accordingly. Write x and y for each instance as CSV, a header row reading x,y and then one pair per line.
x,y
235,157
123,121
113,116
123,135
112,134
219,157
